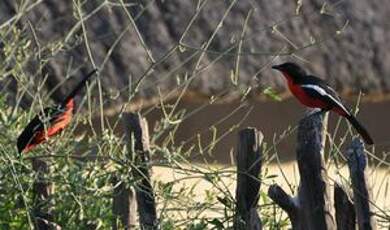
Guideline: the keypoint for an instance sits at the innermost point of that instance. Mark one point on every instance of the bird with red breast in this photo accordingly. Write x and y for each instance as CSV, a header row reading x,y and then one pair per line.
x,y
50,121
316,93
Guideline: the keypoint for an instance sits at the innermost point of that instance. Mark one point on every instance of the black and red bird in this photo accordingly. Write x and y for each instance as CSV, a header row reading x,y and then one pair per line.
x,y
51,121
316,93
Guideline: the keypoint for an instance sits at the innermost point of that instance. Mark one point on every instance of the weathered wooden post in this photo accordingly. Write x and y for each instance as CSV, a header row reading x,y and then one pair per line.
x,y
137,133
344,210
124,206
248,182
357,162
313,194
311,210
42,190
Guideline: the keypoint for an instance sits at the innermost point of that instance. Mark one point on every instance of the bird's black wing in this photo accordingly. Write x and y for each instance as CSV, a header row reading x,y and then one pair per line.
x,y
313,80
28,133
318,88
48,116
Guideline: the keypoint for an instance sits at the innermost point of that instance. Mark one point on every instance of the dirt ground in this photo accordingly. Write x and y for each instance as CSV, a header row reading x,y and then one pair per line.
x,y
286,175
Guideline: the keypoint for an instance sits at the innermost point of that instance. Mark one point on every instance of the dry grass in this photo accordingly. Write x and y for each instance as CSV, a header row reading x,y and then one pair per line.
x,y
287,177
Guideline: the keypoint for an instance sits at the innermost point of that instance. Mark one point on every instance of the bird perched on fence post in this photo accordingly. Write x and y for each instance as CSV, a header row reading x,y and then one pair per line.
x,y
51,121
316,93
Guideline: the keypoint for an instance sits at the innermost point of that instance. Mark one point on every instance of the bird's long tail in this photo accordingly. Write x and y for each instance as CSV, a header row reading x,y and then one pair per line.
x,y
79,86
360,129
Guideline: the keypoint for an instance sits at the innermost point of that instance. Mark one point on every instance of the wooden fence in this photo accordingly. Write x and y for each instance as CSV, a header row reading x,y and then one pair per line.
x,y
311,209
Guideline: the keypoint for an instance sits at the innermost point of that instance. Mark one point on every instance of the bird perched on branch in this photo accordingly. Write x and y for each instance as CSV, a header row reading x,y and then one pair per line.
x,y
316,93
51,121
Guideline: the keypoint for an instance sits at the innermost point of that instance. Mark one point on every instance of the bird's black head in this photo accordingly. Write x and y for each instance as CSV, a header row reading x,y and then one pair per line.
x,y
291,69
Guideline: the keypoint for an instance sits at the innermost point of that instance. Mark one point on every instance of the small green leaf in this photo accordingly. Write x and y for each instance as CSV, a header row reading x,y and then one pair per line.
x,y
225,201
217,223
269,92
182,48
233,77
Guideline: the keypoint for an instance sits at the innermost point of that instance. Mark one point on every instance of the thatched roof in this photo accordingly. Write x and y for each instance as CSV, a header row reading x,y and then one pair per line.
x,y
345,42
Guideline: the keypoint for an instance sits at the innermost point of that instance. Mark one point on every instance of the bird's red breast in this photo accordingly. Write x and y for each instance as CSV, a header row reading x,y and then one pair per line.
x,y
302,96
56,126
55,120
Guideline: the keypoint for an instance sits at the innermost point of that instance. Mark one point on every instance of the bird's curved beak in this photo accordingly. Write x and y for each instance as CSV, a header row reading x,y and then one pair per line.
x,y
277,67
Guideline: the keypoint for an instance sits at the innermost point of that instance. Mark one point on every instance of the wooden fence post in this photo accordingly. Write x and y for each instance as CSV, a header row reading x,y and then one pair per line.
x,y
124,206
311,210
357,162
137,133
314,195
344,210
248,182
42,190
